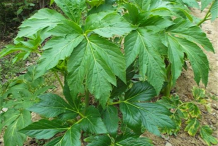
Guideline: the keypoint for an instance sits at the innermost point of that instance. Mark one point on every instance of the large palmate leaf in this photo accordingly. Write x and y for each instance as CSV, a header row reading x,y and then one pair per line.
x,y
145,45
72,8
44,129
206,134
92,122
107,24
136,112
44,18
69,35
12,136
99,60
52,105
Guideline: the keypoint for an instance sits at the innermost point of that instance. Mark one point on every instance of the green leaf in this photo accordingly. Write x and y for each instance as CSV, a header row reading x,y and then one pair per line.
x,y
102,140
171,103
191,3
51,2
176,56
53,141
43,129
192,126
143,4
183,37
111,119
121,86
99,60
206,134
133,13
12,136
66,28
163,8
77,66
44,18
96,3
192,109
142,141
144,44
71,137
59,48
51,105
107,24
25,48
198,60
155,23
72,8
205,3
214,10
185,29
67,94
198,93
140,91
137,113
92,122
9,117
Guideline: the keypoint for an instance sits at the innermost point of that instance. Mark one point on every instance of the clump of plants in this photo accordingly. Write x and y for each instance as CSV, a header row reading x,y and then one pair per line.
x,y
189,113
115,57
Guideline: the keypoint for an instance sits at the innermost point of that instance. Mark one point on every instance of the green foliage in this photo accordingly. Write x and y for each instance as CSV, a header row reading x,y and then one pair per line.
x,y
206,133
115,57
190,112
15,99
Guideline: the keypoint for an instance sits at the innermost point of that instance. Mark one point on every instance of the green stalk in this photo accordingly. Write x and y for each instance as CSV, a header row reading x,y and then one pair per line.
x,y
59,80
206,16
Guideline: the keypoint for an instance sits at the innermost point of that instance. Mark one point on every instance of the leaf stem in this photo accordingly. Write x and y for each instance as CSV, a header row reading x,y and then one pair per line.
x,y
113,103
59,80
206,16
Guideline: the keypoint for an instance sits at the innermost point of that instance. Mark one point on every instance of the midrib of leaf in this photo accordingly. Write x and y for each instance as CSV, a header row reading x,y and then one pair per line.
x,y
134,106
64,107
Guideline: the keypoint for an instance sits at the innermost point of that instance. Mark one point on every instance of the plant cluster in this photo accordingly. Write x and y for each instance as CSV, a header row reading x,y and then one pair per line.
x,y
189,113
115,57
